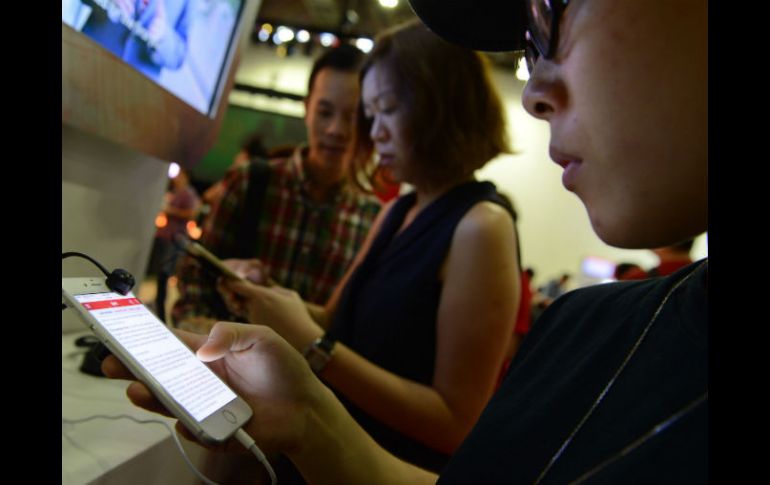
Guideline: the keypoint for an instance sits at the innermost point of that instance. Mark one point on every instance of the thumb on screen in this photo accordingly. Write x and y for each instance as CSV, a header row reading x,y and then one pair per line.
x,y
226,337
220,342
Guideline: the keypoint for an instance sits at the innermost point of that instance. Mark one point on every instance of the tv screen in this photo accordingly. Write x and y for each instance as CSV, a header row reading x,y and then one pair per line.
x,y
185,46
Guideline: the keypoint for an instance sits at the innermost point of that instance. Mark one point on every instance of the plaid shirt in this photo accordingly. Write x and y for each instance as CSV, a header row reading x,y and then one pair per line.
x,y
305,245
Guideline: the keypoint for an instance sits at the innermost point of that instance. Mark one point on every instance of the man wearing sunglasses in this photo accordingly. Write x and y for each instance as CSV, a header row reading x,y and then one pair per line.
x,y
611,386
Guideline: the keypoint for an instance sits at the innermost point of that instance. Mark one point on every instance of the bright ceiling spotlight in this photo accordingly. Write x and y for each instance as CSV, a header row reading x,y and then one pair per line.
x,y
284,34
303,36
327,39
522,73
263,35
364,44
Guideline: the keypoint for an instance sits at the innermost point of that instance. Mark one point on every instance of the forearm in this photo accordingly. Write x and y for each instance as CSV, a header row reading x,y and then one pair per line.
x,y
413,409
337,450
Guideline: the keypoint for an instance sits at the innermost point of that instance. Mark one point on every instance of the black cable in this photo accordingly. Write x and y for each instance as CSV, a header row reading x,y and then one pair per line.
x,y
74,253
120,280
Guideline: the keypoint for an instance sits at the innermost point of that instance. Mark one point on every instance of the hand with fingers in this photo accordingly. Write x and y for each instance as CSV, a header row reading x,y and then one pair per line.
x,y
260,367
279,308
253,270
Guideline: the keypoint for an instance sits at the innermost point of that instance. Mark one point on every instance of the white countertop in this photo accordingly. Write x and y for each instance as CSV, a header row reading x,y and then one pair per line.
x,y
109,451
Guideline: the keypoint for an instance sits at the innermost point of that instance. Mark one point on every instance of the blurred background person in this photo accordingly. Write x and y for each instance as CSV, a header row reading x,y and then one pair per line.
x,y
623,270
670,260
300,215
252,147
180,206
544,295
555,287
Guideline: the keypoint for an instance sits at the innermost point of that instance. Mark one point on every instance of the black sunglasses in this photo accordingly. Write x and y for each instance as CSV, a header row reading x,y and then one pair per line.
x,y
542,36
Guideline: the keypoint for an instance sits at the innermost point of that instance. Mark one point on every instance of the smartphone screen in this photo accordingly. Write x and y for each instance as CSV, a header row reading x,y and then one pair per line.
x,y
188,380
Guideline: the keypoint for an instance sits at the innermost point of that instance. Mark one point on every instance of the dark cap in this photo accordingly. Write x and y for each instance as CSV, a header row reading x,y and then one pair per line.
x,y
483,25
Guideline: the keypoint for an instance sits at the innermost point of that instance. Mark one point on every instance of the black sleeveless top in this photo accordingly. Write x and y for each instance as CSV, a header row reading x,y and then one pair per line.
x,y
387,311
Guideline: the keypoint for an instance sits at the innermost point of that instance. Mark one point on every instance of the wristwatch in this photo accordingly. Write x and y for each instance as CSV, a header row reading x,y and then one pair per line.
x,y
320,352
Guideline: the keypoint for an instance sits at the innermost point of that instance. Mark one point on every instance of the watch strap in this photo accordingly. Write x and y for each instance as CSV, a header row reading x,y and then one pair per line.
x,y
320,352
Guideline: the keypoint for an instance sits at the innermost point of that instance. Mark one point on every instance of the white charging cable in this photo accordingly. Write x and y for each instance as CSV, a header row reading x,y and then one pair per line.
x,y
250,445
148,421
240,435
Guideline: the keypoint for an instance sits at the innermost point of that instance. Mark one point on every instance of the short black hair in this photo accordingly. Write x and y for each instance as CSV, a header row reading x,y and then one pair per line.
x,y
345,57
622,268
530,272
252,144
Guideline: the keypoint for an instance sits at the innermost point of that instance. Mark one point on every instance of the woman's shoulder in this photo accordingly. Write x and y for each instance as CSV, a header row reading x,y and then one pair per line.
x,y
485,217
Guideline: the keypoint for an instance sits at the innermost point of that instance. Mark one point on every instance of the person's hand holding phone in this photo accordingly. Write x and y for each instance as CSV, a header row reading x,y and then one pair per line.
x,y
261,367
251,269
279,308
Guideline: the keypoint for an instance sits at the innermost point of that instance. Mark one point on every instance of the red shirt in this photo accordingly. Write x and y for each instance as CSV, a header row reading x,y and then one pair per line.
x,y
525,304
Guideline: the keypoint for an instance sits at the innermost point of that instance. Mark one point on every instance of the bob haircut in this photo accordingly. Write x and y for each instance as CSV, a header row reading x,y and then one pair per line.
x,y
454,121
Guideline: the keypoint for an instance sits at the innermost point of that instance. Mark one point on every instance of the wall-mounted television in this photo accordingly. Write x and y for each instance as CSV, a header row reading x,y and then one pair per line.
x,y
185,46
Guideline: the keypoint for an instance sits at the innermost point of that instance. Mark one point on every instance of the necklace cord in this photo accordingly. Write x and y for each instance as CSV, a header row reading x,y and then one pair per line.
x,y
611,382
662,426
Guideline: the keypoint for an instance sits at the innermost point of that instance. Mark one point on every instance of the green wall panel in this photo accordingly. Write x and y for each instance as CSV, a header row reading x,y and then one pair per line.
x,y
276,129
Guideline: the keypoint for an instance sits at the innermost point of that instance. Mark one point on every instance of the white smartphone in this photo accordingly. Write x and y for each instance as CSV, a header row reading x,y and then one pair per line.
x,y
185,385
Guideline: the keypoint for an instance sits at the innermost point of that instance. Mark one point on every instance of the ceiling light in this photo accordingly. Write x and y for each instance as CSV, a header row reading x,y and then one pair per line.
x,y
389,3
522,73
173,170
327,39
284,34
364,44
303,36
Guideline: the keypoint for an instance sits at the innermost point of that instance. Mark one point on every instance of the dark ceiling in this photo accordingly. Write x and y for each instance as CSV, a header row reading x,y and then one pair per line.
x,y
347,19
354,18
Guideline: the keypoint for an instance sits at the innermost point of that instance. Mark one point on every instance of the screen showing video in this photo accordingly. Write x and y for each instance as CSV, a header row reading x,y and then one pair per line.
x,y
185,46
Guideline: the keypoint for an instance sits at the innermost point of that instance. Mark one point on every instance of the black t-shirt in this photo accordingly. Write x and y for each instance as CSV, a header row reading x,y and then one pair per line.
x,y
566,361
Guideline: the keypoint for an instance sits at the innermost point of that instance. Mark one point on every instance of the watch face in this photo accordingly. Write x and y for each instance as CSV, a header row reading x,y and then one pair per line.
x,y
319,353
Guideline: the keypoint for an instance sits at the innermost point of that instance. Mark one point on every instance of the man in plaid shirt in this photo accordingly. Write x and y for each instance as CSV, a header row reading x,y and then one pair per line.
x,y
312,219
